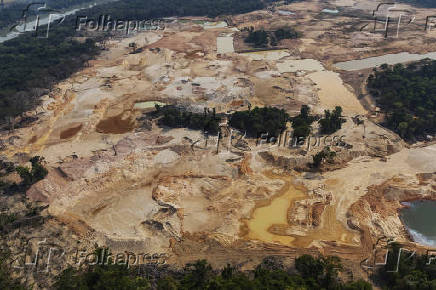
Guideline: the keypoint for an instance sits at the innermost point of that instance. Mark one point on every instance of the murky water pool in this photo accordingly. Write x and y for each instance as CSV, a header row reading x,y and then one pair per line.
x,y
147,105
419,218
390,59
275,213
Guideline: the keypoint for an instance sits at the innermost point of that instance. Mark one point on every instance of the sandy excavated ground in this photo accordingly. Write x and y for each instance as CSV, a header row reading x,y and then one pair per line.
x,y
132,185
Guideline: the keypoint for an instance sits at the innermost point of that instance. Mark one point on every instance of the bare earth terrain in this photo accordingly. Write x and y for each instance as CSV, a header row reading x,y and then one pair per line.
x,y
120,181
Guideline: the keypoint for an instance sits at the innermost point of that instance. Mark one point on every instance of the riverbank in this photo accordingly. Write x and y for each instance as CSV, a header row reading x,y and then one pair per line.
x,y
385,202
44,19
417,217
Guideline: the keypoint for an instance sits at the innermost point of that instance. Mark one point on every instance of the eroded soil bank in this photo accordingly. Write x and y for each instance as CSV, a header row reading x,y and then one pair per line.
x,y
117,179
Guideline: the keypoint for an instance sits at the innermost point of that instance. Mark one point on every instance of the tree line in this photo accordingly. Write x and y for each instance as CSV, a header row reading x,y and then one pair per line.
x,y
30,66
13,12
175,117
29,176
309,273
328,124
407,270
253,122
407,94
259,121
262,38
414,273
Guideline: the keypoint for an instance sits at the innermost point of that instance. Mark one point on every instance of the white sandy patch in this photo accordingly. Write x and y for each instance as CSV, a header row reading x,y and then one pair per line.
x,y
209,83
156,72
225,44
267,55
179,88
212,25
267,74
299,64
166,156
344,3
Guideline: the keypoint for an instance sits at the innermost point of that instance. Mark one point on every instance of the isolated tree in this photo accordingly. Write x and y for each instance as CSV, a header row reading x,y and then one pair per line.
x,y
325,154
32,175
301,124
332,121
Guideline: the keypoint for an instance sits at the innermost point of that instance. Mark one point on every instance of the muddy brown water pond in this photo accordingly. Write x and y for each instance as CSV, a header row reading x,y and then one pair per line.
x,y
116,125
274,215
389,59
70,132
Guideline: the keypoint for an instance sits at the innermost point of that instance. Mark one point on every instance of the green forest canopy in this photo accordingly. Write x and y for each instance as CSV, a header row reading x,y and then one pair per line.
x,y
408,96
261,38
175,117
313,273
255,122
30,66
13,12
259,121
414,271
332,121
137,8
302,124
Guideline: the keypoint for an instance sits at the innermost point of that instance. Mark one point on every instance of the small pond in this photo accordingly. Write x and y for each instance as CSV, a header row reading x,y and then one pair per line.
x,y
419,218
